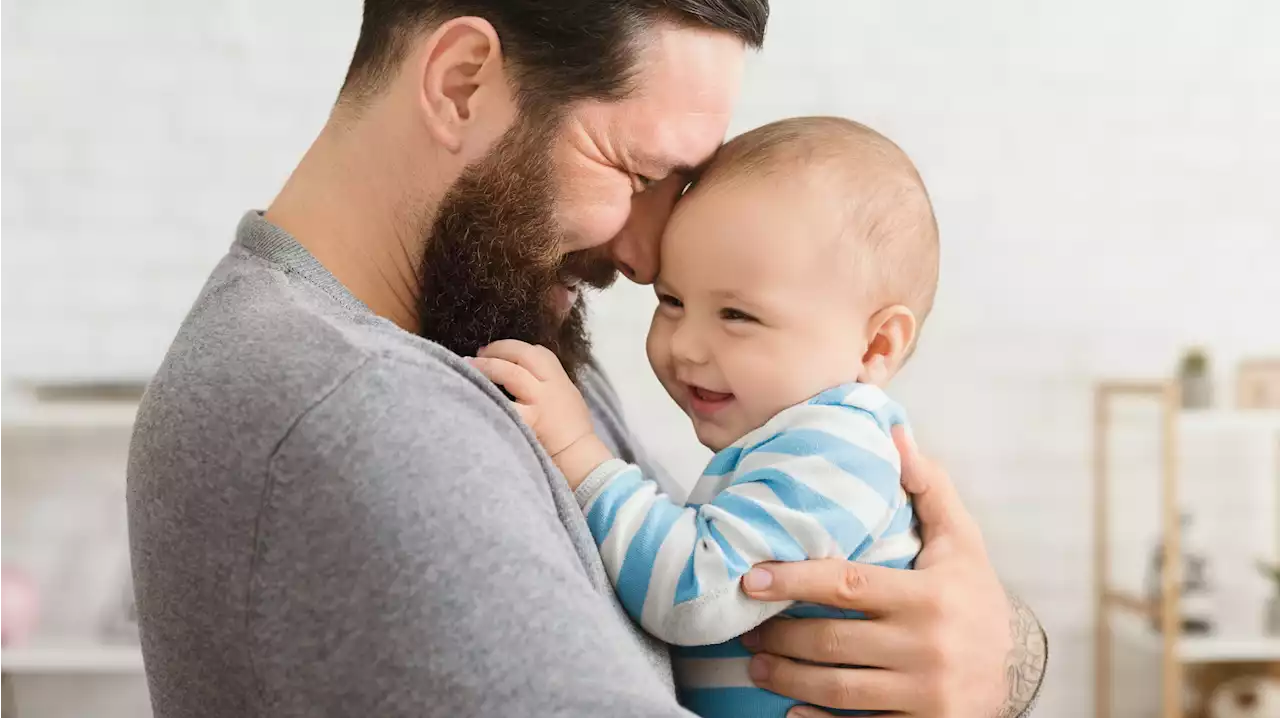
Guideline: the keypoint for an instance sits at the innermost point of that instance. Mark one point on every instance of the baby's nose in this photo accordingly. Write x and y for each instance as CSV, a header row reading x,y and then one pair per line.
x,y
687,345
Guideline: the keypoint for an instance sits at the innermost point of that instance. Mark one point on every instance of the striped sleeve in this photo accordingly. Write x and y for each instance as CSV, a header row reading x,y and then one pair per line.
x,y
826,484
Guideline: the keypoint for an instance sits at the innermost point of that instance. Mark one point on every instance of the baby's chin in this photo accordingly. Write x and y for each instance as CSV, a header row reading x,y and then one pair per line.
x,y
716,438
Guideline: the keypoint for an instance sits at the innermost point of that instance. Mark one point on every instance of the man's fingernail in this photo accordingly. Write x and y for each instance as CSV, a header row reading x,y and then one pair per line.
x,y
804,712
757,579
758,669
751,640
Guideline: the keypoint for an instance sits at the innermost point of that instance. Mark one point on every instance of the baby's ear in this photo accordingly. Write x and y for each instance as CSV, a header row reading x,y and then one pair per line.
x,y
890,333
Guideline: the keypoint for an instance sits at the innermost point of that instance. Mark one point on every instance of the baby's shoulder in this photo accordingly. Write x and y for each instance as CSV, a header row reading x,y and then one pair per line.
x,y
859,415
845,404
859,400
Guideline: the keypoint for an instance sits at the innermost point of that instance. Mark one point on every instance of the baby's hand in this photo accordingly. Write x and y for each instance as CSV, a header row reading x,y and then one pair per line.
x,y
548,402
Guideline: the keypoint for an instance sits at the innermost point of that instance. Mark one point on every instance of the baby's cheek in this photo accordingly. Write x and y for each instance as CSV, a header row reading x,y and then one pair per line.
x,y
651,344
657,347
756,384
777,385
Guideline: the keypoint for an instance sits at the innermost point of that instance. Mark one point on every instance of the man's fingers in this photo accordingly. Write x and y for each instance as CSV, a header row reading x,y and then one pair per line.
x,y
933,495
537,360
912,481
839,688
836,582
517,380
831,640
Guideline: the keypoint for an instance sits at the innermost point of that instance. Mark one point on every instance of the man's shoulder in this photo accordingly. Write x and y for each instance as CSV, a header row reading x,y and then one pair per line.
x,y
425,411
256,321
263,354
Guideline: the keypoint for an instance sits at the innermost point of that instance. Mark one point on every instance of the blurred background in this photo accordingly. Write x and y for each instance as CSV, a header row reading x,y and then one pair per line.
x,y
1107,181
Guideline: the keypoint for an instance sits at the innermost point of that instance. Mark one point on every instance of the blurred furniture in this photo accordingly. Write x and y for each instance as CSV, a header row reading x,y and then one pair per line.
x,y
1215,446
1258,384
65,450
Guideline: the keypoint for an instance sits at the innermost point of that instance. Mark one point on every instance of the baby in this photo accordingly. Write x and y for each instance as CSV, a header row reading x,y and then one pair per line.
x,y
795,276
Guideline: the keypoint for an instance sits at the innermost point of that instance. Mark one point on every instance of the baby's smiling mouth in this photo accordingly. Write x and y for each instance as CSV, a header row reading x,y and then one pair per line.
x,y
705,402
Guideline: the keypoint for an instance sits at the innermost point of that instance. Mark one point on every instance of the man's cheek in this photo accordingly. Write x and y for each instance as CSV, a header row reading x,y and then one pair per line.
x,y
591,213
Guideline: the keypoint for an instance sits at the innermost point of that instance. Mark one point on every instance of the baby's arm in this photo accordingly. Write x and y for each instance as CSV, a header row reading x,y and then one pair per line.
x,y
826,485
548,402
800,494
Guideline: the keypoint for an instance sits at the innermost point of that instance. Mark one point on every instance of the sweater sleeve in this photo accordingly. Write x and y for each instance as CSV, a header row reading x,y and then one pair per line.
x,y
826,484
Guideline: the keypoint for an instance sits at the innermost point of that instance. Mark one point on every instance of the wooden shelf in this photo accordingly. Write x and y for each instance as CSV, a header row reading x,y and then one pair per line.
x,y
1193,419
1156,626
1135,604
1167,398
1127,387
1228,649
71,659
1196,420
1204,649
43,417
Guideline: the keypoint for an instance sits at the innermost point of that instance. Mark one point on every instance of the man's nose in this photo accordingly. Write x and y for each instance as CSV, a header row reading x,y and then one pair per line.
x,y
635,253
636,249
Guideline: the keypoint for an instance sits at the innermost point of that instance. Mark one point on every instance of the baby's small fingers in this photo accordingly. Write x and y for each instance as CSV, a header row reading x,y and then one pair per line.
x,y
545,364
527,413
517,380
539,360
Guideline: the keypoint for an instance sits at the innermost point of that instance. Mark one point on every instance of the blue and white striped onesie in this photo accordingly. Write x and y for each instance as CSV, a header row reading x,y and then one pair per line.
x,y
819,480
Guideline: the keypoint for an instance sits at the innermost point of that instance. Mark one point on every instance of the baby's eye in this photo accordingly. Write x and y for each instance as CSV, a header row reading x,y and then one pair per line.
x,y
729,314
670,301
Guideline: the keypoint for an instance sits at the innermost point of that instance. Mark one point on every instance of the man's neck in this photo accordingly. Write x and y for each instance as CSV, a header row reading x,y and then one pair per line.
x,y
344,205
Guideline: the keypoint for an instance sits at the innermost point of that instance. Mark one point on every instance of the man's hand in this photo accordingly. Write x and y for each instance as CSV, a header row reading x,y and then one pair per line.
x,y
948,640
548,402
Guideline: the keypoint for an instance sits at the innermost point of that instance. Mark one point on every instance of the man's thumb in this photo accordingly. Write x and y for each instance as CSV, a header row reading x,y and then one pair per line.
x,y
910,455
937,505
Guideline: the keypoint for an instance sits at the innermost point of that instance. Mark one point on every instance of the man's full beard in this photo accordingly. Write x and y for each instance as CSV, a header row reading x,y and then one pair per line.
x,y
493,261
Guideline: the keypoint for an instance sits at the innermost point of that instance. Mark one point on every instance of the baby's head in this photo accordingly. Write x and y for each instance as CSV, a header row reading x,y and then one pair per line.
x,y
804,257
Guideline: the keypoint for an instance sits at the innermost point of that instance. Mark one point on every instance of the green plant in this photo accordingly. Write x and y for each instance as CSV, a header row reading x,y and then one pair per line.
x,y
1195,361
1272,572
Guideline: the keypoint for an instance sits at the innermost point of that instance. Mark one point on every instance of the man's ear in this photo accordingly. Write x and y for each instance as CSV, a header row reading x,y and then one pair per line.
x,y
462,78
890,333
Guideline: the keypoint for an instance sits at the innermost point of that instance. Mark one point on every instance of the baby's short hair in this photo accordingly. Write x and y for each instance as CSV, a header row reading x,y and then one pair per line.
x,y
886,208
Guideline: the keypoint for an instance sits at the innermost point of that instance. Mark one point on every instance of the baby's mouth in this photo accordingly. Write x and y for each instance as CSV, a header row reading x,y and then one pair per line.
x,y
705,402
708,395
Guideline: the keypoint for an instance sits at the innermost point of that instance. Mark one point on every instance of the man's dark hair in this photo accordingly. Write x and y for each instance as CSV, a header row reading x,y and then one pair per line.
x,y
560,50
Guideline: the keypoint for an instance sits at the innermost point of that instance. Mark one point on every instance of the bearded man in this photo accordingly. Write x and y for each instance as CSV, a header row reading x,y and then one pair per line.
x,y
332,513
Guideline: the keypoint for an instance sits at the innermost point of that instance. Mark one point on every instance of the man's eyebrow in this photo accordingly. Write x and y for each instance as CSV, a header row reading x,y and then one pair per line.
x,y
680,168
691,171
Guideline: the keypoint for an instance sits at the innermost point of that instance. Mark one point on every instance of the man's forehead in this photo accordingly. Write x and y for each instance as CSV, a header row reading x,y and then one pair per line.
x,y
662,142
686,84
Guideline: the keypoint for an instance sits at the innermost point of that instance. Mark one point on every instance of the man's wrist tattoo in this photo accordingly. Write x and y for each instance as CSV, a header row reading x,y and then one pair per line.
x,y
1025,664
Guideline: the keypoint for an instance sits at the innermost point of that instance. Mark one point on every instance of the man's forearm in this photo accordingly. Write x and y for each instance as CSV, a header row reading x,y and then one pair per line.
x,y
1025,664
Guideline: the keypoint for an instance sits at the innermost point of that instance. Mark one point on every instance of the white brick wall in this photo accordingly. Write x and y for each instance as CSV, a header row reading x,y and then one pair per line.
x,y
1105,176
